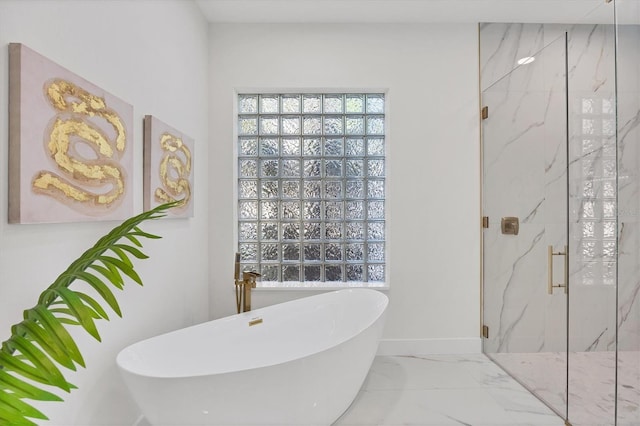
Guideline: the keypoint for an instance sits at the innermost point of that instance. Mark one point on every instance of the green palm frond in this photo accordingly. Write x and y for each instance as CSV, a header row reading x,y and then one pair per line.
x,y
41,342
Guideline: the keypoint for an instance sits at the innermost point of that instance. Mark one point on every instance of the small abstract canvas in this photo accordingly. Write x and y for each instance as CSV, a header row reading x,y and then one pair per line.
x,y
70,154
168,167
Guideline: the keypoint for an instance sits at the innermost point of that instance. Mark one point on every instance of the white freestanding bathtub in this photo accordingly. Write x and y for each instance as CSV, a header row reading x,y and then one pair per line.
x,y
302,364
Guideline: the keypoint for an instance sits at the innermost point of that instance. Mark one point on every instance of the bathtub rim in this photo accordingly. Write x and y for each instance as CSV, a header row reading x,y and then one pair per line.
x,y
246,316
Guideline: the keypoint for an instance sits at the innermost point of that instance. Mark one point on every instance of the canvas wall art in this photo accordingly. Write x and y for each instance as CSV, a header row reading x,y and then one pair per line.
x,y
70,153
168,167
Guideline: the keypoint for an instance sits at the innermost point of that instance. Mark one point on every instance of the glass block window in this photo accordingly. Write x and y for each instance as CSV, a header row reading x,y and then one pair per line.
x,y
596,202
311,187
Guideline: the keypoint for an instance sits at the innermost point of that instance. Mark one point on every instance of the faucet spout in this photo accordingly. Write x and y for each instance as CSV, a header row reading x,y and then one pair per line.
x,y
249,282
236,271
237,282
243,287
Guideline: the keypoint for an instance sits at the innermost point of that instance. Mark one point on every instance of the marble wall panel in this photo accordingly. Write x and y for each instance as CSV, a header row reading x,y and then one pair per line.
x,y
628,313
591,150
524,176
628,111
502,44
513,308
603,201
592,193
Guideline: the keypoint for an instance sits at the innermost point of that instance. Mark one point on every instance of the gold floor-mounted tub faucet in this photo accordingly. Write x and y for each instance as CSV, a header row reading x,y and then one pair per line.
x,y
244,286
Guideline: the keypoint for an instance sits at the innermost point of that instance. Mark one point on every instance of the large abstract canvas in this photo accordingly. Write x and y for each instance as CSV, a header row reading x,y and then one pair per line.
x,y
70,153
168,167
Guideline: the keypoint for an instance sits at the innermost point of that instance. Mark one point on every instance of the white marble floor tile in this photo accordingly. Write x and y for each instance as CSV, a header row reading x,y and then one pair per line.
x,y
439,407
544,373
417,373
592,383
444,390
524,407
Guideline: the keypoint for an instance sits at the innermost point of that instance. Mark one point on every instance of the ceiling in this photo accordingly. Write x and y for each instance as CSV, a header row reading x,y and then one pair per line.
x,y
406,11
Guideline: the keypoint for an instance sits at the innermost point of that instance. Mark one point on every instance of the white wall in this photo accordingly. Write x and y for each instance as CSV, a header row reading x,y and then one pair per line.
x,y
153,54
430,73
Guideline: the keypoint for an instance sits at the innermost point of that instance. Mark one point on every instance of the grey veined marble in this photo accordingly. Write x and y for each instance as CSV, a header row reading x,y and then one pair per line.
x,y
560,152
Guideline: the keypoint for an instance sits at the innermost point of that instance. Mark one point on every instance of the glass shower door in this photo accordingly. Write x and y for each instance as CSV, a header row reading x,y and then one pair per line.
x,y
594,187
525,205
628,212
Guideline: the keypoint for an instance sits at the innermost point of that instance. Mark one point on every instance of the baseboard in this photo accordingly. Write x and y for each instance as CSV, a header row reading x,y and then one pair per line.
x,y
389,347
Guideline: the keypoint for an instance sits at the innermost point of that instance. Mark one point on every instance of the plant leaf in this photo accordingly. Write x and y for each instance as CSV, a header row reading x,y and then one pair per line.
x,y
122,255
14,403
13,363
94,305
10,418
114,277
46,342
134,251
80,311
71,315
16,364
68,321
41,338
61,310
102,290
140,233
134,240
115,271
25,390
56,331
39,360
128,270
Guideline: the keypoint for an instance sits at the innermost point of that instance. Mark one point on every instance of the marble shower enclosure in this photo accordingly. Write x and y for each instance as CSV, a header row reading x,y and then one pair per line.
x,y
594,188
628,110
601,199
524,165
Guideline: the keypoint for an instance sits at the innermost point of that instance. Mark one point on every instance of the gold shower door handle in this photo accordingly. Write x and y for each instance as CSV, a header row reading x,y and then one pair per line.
x,y
550,284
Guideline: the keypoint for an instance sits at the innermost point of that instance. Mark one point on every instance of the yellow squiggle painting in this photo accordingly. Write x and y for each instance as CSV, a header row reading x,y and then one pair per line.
x,y
69,145
168,167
